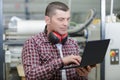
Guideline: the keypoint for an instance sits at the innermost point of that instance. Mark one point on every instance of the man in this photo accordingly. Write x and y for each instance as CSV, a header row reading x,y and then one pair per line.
x,y
45,54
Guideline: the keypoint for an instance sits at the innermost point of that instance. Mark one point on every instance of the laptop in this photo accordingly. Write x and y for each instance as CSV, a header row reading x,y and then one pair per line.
x,y
94,53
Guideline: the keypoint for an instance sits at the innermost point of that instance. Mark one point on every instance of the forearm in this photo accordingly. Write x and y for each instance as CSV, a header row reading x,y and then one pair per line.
x,y
43,71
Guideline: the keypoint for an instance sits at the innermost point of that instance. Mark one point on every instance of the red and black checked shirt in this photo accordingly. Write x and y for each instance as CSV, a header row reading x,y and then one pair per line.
x,y
41,59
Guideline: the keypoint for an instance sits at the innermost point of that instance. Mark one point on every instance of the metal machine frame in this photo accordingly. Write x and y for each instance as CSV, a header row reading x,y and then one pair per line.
x,y
103,13
2,56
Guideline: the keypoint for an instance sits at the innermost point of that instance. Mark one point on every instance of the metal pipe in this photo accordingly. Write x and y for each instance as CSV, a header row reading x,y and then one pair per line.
x,y
69,3
80,28
102,31
111,8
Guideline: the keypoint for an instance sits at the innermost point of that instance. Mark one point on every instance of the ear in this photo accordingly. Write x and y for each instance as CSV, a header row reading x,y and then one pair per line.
x,y
47,19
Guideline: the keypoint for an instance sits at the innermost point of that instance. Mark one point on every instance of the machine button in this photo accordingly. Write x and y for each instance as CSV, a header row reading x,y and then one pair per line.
x,y
112,53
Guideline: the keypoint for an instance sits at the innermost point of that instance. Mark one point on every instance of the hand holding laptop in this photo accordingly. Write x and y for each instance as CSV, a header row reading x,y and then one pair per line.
x,y
84,70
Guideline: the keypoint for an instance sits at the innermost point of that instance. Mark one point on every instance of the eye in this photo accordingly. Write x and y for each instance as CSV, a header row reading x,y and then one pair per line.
x,y
68,19
60,19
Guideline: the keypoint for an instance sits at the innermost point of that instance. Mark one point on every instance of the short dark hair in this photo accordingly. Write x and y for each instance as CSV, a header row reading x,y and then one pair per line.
x,y
50,10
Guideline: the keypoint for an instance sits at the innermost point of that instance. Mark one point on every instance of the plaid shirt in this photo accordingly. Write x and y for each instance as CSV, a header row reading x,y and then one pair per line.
x,y
41,59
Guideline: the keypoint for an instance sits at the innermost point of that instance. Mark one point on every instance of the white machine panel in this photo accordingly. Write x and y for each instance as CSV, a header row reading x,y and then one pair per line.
x,y
112,59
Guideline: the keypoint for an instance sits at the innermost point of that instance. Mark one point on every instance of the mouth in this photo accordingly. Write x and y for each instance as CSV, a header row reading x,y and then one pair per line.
x,y
63,29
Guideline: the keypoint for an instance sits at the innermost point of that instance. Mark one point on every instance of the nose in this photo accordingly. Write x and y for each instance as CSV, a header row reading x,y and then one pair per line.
x,y
66,22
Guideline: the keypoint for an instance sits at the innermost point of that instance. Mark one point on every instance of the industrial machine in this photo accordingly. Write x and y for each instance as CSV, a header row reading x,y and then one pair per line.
x,y
17,32
110,68
112,59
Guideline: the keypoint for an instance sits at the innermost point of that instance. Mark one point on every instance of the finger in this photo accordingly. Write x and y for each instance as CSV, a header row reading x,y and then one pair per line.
x,y
82,71
88,68
78,58
76,61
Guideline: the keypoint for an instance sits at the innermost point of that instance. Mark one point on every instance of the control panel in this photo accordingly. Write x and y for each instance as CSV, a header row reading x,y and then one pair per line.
x,y
114,56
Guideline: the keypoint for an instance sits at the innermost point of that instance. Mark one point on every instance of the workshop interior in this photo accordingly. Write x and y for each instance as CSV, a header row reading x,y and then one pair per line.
x,y
90,20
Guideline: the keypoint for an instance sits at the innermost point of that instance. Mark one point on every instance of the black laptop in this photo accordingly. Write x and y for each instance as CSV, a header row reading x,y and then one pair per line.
x,y
94,53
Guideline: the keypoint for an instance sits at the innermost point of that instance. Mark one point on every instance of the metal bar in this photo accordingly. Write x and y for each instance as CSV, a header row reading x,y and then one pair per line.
x,y
2,70
111,8
103,14
27,10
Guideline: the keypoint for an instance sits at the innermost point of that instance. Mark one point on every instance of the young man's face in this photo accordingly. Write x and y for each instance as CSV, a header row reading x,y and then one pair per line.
x,y
59,22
